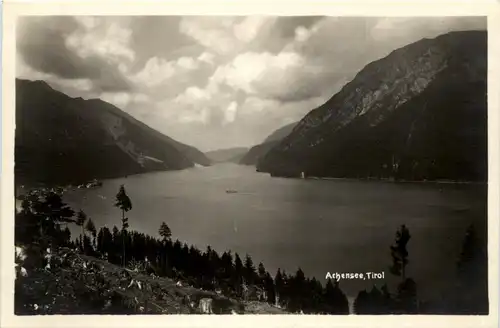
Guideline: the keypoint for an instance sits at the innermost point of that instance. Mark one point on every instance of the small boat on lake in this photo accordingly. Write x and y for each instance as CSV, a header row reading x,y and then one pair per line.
x,y
231,191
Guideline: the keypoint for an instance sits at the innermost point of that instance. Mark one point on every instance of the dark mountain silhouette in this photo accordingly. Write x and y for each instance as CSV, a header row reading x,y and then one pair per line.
x,y
226,155
418,114
68,140
257,151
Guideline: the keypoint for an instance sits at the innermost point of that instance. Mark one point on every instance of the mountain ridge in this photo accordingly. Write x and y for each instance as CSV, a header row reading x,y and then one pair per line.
x,y
233,154
60,139
256,152
356,134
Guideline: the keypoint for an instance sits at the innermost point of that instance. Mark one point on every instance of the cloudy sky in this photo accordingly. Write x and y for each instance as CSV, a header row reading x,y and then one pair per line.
x,y
213,82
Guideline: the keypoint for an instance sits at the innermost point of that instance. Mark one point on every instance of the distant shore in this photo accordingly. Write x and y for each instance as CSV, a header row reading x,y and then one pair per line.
x,y
401,181
447,182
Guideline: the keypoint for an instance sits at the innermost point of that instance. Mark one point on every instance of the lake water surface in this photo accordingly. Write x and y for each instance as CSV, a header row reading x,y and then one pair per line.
x,y
319,225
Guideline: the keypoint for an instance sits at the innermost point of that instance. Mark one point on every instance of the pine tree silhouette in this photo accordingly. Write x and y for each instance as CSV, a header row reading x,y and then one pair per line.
x,y
399,252
407,297
472,290
238,274
165,234
261,272
81,218
52,212
336,299
361,303
250,274
407,290
270,289
279,283
123,202
90,227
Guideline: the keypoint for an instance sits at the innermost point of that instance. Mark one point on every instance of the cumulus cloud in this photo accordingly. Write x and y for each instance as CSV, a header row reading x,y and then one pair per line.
x,y
285,76
206,57
230,113
123,99
213,82
59,46
158,70
97,39
215,33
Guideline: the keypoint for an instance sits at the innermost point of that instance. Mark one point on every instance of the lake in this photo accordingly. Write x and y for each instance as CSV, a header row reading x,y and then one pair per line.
x,y
320,225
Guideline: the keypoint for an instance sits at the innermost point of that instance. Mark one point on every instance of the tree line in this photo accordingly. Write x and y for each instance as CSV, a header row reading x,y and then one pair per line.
x,y
44,217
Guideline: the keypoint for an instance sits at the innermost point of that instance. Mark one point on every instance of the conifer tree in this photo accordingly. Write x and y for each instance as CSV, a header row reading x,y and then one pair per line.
x,y
406,297
336,299
249,270
27,225
100,241
52,212
81,218
165,234
297,291
261,272
285,289
361,303
472,267
279,285
238,274
386,299
123,202
90,227
227,266
399,252
270,289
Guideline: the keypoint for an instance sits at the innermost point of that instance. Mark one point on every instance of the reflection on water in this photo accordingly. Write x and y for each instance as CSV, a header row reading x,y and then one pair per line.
x,y
319,225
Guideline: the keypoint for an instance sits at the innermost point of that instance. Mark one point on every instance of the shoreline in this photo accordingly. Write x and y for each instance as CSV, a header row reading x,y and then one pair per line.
x,y
65,187
447,182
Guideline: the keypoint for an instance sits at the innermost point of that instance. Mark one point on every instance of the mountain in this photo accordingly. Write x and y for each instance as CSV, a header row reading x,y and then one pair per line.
x,y
281,132
420,113
226,155
257,151
253,156
69,140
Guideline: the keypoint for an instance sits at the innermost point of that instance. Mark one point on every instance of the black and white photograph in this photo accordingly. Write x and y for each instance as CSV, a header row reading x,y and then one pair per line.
x,y
251,165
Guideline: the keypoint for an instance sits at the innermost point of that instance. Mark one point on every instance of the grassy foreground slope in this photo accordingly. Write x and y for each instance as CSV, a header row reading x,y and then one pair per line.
x,y
78,284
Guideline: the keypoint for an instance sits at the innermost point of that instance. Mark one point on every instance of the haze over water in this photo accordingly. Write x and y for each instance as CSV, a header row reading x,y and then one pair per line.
x,y
319,225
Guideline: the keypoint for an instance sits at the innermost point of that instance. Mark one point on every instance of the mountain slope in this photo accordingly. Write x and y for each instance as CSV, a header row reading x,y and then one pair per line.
x,y
190,152
258,151
418,114
64,140
281,132
81,284
253,156
226,155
